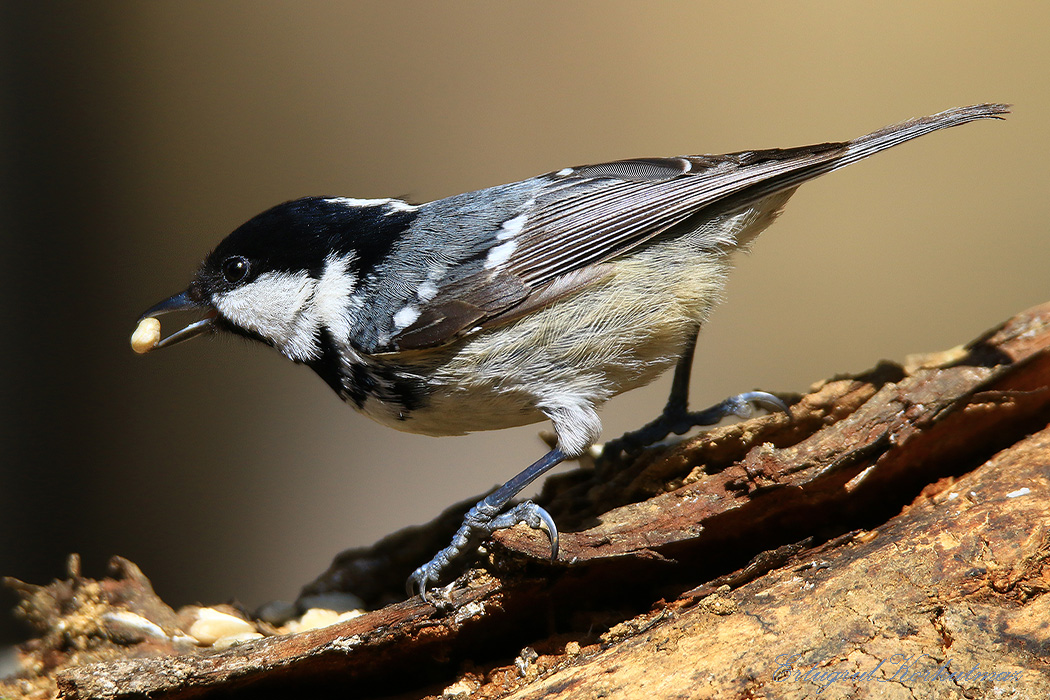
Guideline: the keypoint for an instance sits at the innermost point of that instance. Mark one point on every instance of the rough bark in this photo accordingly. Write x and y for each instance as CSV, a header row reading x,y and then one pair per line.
x,y
890,539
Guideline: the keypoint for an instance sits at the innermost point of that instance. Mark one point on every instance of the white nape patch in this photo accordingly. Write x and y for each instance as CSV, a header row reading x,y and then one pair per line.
x,y
500,254
565,172
354,202
394,204
277,306
1019,492
401,205
405,317
512,227
333,301
686,165
427,291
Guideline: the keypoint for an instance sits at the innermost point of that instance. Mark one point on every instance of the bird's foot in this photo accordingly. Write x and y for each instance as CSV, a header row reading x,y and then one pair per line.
x,y
677,420
480,522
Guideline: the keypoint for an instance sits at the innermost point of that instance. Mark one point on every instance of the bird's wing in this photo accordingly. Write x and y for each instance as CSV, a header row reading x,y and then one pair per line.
x,y
582,217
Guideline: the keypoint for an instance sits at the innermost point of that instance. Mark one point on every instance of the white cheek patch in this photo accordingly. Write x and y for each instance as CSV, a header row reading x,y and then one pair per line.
x,y
333,303
276,305
290,308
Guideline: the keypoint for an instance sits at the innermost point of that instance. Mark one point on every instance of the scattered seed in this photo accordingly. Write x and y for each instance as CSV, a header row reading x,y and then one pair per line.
x,y
212,625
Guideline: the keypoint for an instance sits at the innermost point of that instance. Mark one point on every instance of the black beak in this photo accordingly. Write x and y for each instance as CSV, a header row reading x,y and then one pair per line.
x,y
182,302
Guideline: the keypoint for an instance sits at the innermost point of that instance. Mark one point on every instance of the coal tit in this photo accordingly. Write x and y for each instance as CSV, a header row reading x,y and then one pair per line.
x,y
535,300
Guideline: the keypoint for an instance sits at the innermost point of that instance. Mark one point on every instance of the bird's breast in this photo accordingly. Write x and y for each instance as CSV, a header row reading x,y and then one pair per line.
x,y
612,337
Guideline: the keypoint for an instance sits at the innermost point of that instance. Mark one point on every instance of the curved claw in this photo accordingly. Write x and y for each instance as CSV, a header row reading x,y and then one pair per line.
x,y
528,513
548,526
760,399
417,583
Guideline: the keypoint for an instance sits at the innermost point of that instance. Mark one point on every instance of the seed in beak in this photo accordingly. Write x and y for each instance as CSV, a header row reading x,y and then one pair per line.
x,y
146,336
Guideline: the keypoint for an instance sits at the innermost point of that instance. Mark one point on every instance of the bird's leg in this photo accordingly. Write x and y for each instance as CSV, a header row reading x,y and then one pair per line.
x,y
487,516
676,417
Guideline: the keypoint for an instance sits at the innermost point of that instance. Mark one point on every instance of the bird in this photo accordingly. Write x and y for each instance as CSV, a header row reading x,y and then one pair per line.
x,y
518,303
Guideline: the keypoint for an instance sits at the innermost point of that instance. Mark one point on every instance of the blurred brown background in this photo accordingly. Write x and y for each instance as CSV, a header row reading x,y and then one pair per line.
x,y
137,134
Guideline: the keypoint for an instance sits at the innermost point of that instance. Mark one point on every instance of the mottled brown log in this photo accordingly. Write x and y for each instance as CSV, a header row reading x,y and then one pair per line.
x,y
955,585
897,513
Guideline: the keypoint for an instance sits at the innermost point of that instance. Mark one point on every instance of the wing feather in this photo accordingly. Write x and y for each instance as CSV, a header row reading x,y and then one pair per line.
x,y
582,217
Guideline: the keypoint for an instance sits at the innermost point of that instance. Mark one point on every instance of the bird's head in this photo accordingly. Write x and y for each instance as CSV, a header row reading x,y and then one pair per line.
x,y
286,276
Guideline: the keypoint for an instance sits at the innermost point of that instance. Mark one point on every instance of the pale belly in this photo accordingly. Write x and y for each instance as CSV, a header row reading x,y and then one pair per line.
x,y
617,336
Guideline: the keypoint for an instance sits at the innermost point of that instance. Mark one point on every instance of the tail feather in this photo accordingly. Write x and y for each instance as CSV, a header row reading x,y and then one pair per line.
x,y
868,145
897,134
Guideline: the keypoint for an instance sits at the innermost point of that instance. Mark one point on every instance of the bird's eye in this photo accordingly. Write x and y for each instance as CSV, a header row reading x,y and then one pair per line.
x,y
234,269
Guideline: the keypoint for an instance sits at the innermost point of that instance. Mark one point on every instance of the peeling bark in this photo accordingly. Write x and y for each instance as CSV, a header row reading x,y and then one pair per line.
x,y
896,525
